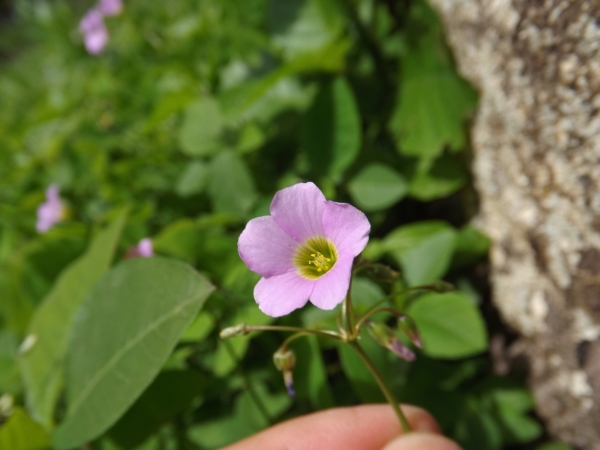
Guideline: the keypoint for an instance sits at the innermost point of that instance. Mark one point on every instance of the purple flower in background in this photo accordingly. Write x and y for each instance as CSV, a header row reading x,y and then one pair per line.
x,y
51,211
304,250
95,34
110,7
143,249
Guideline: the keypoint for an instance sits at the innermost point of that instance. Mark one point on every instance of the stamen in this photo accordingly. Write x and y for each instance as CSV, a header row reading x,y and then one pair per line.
x,y
316,257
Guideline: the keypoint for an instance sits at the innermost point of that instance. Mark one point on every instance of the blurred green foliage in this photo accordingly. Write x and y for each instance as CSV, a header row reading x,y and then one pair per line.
x,y
194,115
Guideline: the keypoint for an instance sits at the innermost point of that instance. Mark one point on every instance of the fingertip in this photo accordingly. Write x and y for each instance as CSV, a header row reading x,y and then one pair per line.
x,y
420,441
420,419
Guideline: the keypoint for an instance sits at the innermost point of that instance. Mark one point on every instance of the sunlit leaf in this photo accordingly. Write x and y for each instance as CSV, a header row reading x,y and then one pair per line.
x,y
124,333
422,249
377,187
451,325
42,364
22,433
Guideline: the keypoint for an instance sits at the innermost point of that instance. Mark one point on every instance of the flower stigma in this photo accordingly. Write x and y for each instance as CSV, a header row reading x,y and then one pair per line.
x,y
315,257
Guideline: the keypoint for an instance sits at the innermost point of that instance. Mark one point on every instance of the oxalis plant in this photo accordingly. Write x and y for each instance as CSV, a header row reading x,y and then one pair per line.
x,y
309,249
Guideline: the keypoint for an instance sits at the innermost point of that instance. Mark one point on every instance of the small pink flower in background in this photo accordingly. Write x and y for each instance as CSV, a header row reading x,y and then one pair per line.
x,y
143,249
51,211
110,7
304,250
95,34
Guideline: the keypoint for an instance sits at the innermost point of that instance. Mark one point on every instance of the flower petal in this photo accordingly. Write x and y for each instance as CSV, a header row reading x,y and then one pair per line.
x,y
330,290
280,295
265,248
346,226
298,210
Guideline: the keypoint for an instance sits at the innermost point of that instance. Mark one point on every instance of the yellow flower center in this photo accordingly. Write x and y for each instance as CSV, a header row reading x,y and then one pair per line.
x,y
315,257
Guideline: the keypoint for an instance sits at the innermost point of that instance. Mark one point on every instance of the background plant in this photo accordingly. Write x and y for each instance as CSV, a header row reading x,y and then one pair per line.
x,y
193,116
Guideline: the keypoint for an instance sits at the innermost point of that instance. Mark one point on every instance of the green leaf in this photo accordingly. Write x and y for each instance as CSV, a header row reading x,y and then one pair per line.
x,y
331,133
310,375
362,381
9,373
443,177
170,394
182,239
450,325
193,180
50,327
202,126
303,26
377,187
22,433
247,418
471,246
264,97
433,101
124,333
422,249
230,185
274,404
201,327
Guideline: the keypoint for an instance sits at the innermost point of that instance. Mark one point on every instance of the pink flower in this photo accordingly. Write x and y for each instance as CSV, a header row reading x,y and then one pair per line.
x,y
304,250
143,249
51,211
95,34
110,7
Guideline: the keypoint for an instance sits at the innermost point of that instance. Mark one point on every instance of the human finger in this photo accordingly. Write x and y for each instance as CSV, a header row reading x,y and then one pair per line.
x,y
422,441
365,427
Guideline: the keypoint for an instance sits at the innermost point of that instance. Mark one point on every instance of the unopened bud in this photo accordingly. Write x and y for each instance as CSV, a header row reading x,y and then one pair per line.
x,y
442,286
408,327
402,350
285,360
237,330
387,338
381,333
381,272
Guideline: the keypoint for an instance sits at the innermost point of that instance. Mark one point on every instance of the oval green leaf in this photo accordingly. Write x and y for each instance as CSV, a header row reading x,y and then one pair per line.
x,y
331,134
451,325
377,187
123,334
423,250
42,365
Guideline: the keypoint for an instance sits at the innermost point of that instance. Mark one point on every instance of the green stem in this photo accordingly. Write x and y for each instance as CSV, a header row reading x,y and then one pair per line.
x,y
383,386
324,333
364,318
291,338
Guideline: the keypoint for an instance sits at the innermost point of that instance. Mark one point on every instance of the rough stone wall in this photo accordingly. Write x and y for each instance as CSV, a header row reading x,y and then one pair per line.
x,y
536,141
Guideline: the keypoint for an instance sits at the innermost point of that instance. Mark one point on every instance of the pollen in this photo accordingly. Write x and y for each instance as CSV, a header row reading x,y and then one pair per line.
x,y
315,257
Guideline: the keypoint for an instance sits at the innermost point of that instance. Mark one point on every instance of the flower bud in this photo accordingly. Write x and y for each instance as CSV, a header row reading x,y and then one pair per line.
x,y
442,286
381,272
408,327
386,337
285,360
237,330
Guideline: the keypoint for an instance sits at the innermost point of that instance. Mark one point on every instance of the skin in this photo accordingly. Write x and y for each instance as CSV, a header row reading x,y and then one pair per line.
x,y
365,427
